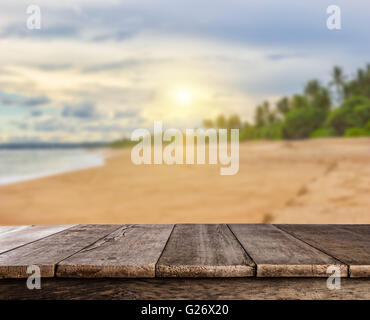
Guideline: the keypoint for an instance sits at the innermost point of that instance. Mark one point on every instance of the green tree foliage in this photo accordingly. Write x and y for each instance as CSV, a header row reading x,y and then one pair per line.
x,y
356,132
338,80
299,101
322,99
259,118
283,106
354,101
270,132
341,119
207,123
311,114
322,133
312,88
221,122
300,123
354,112
367,126
125,142
360,85
234,122
265,115
362,114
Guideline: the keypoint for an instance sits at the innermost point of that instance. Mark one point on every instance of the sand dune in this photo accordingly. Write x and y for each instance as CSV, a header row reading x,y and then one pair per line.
x,y
313,181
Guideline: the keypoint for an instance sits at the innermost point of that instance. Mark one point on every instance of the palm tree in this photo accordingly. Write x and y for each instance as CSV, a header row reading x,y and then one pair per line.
x,y
338,81
322,100
207,123
234,122
312,88
283,105
299,101
221,122
259,116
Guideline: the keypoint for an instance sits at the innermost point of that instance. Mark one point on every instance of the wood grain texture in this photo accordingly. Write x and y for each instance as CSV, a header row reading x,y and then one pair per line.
x,y
347,243
4,229
47,252
278,254
132,251
189,289
200,250
362,269
15,236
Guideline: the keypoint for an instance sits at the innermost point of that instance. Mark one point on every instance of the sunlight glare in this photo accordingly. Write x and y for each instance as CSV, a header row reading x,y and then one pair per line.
x,y
183,96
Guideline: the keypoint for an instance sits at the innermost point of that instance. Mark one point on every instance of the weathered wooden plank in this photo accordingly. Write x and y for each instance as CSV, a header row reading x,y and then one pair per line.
x,y
347,243
11,228
192,289
47,252
362,270
360,229
200,250
278,254
15,236
130,252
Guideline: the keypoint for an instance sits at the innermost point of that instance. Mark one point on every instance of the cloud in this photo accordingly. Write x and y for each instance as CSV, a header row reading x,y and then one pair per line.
x,y
36,101
114,35
125,114
125,64
266,22
55,66
36,113
19,138
18,100
84,110
112,66
112,127
58,31
23,125
54,124
282,56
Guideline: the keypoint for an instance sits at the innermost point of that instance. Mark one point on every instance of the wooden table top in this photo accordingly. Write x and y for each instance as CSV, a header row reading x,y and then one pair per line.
x,y
185,250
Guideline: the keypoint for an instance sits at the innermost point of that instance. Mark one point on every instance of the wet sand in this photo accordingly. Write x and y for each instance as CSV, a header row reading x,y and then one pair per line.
x,y
313,181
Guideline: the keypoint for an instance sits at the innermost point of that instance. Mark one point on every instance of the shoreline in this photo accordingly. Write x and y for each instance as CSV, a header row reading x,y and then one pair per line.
x,y
311,181
98,159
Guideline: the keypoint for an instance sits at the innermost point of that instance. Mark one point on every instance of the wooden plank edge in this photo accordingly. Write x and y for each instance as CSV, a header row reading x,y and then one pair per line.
x,y
105,271
301,270
202,271
20,272
359,271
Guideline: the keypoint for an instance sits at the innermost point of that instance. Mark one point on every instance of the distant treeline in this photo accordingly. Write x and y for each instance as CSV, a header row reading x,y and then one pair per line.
x,y
342,108
125,142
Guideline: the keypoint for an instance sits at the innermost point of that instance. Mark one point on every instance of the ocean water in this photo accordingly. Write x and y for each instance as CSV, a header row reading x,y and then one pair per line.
x,y
21,165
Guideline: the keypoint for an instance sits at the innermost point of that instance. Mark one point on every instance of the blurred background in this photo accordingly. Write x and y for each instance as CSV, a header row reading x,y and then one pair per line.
x,y
72,92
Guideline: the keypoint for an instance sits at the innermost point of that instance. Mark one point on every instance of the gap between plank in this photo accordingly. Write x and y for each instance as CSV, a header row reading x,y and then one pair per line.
x,y
322,251
57,263
156,264
245,250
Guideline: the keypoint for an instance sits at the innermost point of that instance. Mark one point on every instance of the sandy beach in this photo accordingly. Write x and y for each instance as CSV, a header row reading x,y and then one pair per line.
x,y
313,181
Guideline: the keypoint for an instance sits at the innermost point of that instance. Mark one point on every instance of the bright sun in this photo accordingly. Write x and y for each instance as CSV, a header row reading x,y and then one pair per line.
x,y
183,96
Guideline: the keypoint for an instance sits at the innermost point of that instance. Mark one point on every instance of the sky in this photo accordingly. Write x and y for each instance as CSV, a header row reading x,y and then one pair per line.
x,y
98,69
